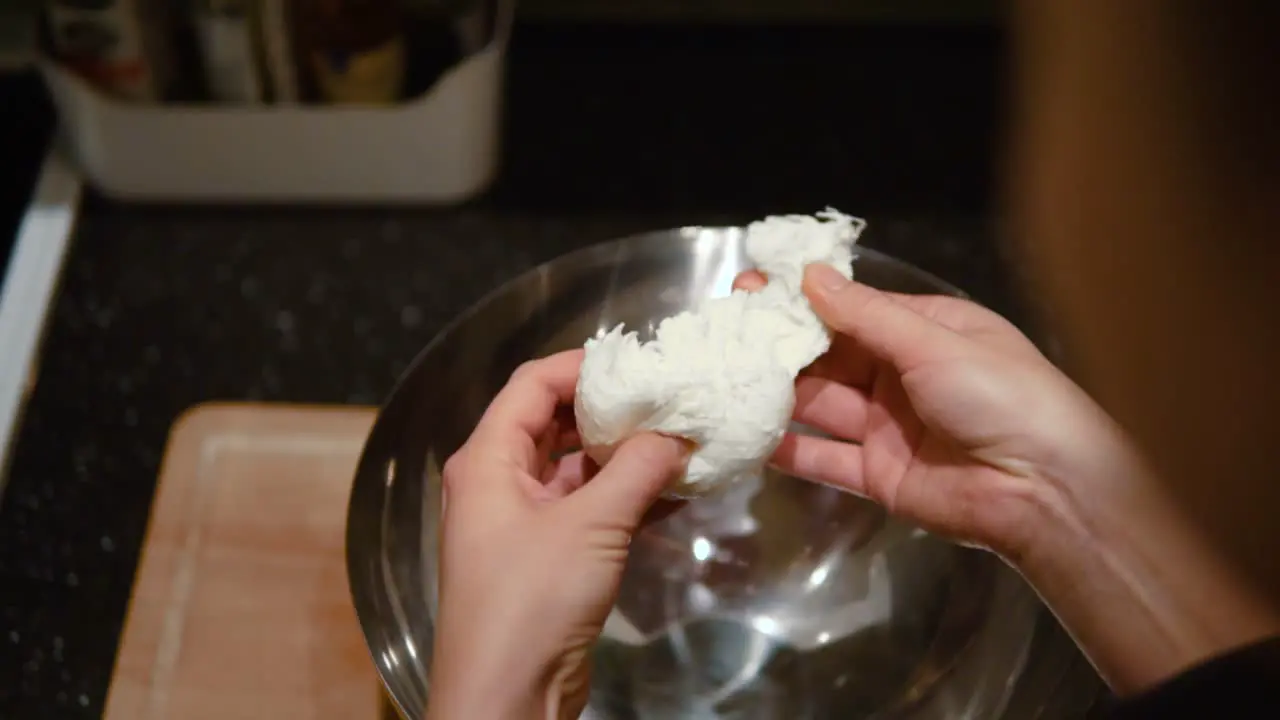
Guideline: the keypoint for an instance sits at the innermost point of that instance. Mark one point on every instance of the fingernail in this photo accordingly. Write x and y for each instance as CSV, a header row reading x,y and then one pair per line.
x,y
685,446
827,277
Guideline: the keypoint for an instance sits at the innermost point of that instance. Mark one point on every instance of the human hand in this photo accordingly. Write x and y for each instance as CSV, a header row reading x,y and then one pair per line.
x,y
958,423
532,550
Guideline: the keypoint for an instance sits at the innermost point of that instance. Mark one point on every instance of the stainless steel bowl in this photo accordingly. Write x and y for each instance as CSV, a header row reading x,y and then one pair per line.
x,y
779,599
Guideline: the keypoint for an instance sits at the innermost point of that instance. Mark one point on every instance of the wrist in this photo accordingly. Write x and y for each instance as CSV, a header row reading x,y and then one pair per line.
x,y
462,694
1133,582
469,681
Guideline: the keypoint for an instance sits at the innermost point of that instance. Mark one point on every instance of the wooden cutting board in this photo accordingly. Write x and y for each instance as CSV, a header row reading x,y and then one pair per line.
x,y
240,609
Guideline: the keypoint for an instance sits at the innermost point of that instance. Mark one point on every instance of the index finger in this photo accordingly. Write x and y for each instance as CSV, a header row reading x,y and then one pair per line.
x,y
936,307
528,402
888,328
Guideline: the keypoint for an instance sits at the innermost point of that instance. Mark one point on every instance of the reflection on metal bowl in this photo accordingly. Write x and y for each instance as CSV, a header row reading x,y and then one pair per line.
x,y
776,599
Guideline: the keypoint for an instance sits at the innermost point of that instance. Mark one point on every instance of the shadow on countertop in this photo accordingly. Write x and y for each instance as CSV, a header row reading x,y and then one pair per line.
x,y
609,131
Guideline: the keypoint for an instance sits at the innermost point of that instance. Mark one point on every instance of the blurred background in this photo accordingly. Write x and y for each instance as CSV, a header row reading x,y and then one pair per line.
x,y
282,202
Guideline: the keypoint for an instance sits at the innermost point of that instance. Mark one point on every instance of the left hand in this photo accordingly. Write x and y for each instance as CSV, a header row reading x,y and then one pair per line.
x,y
532,550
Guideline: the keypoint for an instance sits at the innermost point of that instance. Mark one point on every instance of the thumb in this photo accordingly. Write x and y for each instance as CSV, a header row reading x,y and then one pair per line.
x,y
880,324
634,478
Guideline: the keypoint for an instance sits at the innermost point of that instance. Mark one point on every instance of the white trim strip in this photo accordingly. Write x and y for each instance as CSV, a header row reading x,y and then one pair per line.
x,y
29,287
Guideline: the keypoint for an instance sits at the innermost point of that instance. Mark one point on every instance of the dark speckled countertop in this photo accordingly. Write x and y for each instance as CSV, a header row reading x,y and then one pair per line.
x,y
610,131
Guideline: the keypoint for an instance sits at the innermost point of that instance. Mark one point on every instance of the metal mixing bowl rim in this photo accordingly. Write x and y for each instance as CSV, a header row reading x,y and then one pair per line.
x,y
374,622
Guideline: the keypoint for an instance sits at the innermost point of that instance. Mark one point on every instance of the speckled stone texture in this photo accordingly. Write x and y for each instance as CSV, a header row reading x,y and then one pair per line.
x,y
609,133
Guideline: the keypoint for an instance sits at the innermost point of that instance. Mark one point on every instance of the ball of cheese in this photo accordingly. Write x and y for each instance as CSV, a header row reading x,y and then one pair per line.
x,y
723,375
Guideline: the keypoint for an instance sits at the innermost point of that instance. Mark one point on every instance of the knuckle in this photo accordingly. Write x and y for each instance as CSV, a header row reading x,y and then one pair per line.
x,y
852,304
453,474
643,452
959,304
655,452
869,301
967,518
525,370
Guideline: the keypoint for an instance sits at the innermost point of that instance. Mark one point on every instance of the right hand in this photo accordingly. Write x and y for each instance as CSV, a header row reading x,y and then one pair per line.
x,y
958,423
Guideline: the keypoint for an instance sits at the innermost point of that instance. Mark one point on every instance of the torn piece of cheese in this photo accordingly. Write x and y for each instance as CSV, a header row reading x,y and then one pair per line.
x,y
722,376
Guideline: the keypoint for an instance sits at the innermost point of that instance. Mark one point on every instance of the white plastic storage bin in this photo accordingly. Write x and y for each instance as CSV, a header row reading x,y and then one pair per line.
x,y
439,148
